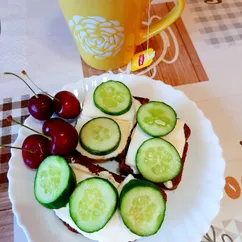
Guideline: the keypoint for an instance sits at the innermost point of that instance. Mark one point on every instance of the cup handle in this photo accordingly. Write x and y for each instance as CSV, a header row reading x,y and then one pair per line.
x,y
165,22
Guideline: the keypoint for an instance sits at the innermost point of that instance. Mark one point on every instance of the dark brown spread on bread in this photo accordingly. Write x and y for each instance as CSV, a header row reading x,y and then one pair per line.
x,y
142,100
76,157
69,227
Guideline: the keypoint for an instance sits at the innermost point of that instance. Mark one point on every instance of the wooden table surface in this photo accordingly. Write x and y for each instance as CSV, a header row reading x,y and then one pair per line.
x,y
187,69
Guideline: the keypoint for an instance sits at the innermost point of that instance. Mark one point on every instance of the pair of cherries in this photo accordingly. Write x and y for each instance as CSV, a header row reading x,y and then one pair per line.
x,y
42,106
58,137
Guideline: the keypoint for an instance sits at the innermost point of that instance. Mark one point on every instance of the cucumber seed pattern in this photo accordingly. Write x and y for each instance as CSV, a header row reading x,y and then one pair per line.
x,y
91,205
159,159
101,133
142,211
50,179
97,36
111,97
156,117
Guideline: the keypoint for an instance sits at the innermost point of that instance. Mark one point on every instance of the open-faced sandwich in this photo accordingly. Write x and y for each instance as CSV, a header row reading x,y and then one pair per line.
x,y
112,107
145,138
150,144
109,189
97,203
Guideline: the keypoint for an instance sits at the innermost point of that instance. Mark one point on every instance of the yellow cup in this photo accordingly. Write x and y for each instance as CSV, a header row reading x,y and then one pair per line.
x,y
107,32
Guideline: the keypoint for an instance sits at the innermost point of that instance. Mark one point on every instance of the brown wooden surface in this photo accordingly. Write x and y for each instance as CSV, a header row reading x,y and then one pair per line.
x,y
190,49
188,67
6,214
6,225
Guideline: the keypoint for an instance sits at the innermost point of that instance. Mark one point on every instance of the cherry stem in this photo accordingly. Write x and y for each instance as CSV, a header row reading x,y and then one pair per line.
x,y
14,147
10,73
25,73
10,118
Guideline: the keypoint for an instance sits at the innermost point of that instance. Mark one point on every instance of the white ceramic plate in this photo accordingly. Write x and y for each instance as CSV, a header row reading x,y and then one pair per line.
x,y
190,209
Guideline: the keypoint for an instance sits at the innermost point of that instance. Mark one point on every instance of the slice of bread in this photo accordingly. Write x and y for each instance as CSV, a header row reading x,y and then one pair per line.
x,y
126,124
126,169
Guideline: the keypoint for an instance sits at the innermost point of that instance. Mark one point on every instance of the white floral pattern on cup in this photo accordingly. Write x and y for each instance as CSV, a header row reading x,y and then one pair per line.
x,y
97,36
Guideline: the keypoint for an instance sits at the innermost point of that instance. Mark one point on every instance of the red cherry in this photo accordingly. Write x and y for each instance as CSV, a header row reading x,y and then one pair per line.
x,y
64,137
66,105
41,107
34,150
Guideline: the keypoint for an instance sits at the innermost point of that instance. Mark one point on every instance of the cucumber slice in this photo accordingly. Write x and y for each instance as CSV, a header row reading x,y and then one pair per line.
x,y
113,98
54,182
142,207
156,118
93,203
100,136
158,160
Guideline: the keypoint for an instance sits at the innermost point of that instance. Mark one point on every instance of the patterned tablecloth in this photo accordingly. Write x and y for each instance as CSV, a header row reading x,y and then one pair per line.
x,y
210,42
219,23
